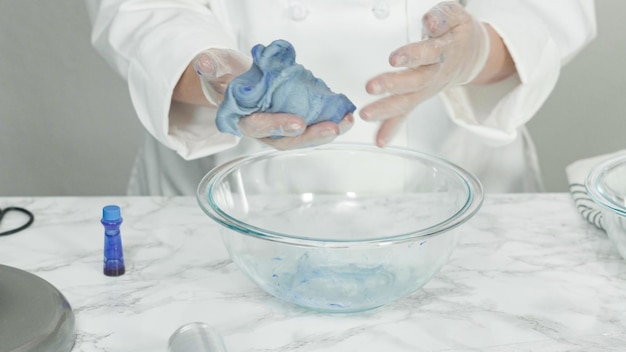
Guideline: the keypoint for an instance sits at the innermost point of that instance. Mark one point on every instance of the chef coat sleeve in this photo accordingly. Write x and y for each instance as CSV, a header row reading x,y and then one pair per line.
x,y
542,36
150,43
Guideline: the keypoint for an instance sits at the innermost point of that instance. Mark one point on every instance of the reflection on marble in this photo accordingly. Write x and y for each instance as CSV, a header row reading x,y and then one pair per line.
x,y
529,275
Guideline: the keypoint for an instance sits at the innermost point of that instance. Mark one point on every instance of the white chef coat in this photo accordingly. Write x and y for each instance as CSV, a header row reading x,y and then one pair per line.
x,y
345,43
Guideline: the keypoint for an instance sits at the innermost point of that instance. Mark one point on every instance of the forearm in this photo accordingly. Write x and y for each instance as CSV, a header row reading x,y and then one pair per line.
x,y
500,64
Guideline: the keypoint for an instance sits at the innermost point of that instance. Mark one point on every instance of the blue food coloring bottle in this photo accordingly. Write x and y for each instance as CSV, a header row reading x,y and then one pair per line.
x,y
113,253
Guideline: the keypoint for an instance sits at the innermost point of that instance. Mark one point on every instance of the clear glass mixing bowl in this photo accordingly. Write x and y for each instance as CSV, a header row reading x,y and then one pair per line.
x,y
606,185
341,227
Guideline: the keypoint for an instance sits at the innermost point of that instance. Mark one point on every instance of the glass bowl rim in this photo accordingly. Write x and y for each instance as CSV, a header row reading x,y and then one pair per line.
x,y
595,190
473,202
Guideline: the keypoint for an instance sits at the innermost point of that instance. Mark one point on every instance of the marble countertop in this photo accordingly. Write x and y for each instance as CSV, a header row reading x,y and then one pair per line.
x,y
529,274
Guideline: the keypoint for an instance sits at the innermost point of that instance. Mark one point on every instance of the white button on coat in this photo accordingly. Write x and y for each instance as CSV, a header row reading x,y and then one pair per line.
x,y
298,11
381,9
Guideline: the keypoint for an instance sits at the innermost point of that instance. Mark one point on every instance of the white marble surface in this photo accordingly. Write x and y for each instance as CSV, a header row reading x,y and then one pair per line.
x,y
528,275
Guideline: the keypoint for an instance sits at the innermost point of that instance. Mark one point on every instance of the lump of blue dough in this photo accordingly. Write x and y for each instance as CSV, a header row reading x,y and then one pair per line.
x,y
276,83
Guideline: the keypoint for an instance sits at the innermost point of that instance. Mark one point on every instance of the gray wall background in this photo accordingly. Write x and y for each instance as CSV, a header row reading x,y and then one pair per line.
x,y
67,126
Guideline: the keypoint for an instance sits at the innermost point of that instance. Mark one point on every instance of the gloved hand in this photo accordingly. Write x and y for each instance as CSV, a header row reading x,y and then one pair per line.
x,y
453,52
217,67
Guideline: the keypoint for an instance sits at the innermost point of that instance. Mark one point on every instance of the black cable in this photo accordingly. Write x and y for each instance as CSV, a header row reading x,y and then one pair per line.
x,y
30,215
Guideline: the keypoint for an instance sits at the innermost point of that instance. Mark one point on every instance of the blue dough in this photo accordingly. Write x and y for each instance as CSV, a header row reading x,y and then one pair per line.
x,y
276,83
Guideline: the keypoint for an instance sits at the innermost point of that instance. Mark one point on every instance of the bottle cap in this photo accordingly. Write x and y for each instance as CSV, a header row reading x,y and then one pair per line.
x,y
111,213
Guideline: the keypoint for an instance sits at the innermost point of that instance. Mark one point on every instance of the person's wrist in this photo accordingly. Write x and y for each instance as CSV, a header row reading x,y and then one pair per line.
x,y
481,55
189,90
498,64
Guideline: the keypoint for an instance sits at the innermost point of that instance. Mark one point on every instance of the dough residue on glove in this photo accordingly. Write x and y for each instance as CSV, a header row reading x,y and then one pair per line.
x,y
276,83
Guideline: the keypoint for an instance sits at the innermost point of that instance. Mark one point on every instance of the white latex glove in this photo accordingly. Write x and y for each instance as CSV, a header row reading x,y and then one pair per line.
x,y
453,52
217,67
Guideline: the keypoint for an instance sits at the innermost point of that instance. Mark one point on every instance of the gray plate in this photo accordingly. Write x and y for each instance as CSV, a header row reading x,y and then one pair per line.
x,y
34,315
